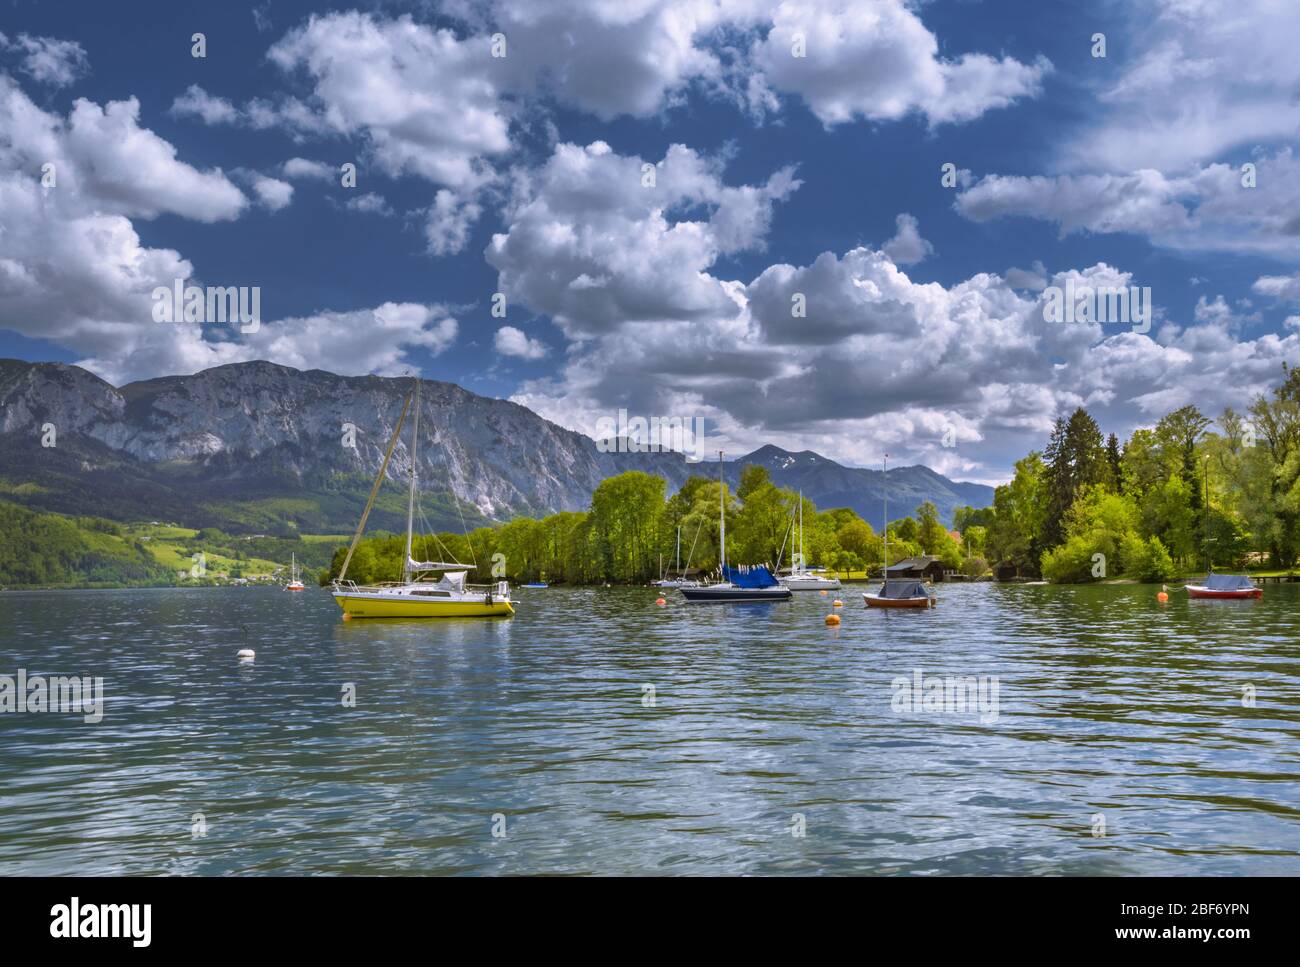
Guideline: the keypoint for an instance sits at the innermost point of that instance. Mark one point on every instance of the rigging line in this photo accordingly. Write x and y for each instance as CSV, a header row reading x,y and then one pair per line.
x,y
451,492
415,473
426,532
442,548
691,554
374,491
464,529
427,525
781,553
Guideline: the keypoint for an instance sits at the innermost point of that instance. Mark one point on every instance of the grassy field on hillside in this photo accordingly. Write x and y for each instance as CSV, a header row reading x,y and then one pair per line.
x,y
55,550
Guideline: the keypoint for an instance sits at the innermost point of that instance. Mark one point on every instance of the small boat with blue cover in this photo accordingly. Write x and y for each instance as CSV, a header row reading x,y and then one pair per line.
x,y
1225,587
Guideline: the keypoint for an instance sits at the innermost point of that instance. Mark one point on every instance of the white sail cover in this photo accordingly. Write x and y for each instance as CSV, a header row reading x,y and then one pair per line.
x,y
414,565
453,581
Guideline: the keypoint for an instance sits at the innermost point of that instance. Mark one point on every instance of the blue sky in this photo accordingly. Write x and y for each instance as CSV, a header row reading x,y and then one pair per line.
x,y
776,175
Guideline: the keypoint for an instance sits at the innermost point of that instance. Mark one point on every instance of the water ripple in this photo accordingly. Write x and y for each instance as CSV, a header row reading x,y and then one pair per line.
x,y
763,721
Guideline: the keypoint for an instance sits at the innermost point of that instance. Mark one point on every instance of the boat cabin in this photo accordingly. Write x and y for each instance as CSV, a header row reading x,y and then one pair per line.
x,y
925,567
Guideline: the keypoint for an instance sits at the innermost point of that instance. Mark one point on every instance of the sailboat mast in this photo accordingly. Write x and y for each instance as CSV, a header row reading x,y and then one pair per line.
x,y
410,502
679,550
722,513
884,489
801,563
374,490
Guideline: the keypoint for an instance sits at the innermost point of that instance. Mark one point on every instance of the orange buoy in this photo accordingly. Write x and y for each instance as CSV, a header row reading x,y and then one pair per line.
x,y
346,616
660,601
832,619
1162,597
823,594
837,603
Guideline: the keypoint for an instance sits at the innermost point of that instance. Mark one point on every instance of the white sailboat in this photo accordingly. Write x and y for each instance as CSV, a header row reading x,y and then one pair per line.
x,y
416,595
679,581
295,578
802,577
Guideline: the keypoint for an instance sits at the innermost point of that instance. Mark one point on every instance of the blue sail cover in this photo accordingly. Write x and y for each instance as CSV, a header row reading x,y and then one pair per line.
x,y
1228,582
757,576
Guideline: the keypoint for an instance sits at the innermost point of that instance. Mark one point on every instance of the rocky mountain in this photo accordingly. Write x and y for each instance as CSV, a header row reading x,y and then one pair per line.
x,y
258,446
830,484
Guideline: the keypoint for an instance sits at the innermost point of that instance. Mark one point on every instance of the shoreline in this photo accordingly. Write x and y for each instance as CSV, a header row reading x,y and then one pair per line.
x,y
1278,577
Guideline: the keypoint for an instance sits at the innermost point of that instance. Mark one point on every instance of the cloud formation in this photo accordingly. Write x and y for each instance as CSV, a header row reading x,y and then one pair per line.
x,y
594,243
1215,207
1204,77
883,362
74,269
48,60
876,60
510,341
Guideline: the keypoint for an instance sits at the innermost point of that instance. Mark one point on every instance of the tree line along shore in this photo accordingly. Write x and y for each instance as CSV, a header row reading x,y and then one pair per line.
x,y
1188,493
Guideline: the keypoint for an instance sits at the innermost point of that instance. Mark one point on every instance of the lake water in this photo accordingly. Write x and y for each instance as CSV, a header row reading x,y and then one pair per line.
x,y
1111,708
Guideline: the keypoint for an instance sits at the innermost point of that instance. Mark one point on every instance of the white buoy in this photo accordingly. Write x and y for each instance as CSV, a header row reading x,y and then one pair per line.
x,y
246,654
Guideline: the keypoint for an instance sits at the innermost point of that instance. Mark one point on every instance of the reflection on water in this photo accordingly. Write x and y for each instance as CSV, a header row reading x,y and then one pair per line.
x,y
1110,705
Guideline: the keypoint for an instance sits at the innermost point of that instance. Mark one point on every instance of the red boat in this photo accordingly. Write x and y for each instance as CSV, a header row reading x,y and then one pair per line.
x,y
1225,586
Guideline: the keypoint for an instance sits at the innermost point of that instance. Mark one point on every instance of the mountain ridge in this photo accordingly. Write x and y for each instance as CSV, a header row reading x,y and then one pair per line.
x,y
259,439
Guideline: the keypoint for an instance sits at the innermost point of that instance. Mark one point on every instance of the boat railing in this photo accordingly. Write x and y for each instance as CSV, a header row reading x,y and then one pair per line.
x,y
500,589
353,586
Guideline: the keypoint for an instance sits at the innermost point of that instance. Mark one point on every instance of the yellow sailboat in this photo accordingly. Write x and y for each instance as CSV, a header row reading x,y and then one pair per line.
x,y
417,594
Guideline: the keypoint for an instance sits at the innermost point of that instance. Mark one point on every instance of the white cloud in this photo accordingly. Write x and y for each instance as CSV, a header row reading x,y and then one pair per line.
x,y
875,59
1196,89
261,114
428,101
353,343
305,169
876,359
907,247
73,268
102,155
510,341
284,113
1141,202
883,362
437,104
867,58
1207,208
369,203
588,243
1034,277
425,100
1206,76
104,163
1284,288
612,58
450,219
272,193
199,103
49,60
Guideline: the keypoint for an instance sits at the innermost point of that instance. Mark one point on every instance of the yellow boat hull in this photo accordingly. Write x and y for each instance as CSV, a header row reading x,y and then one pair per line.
x,y
361,606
